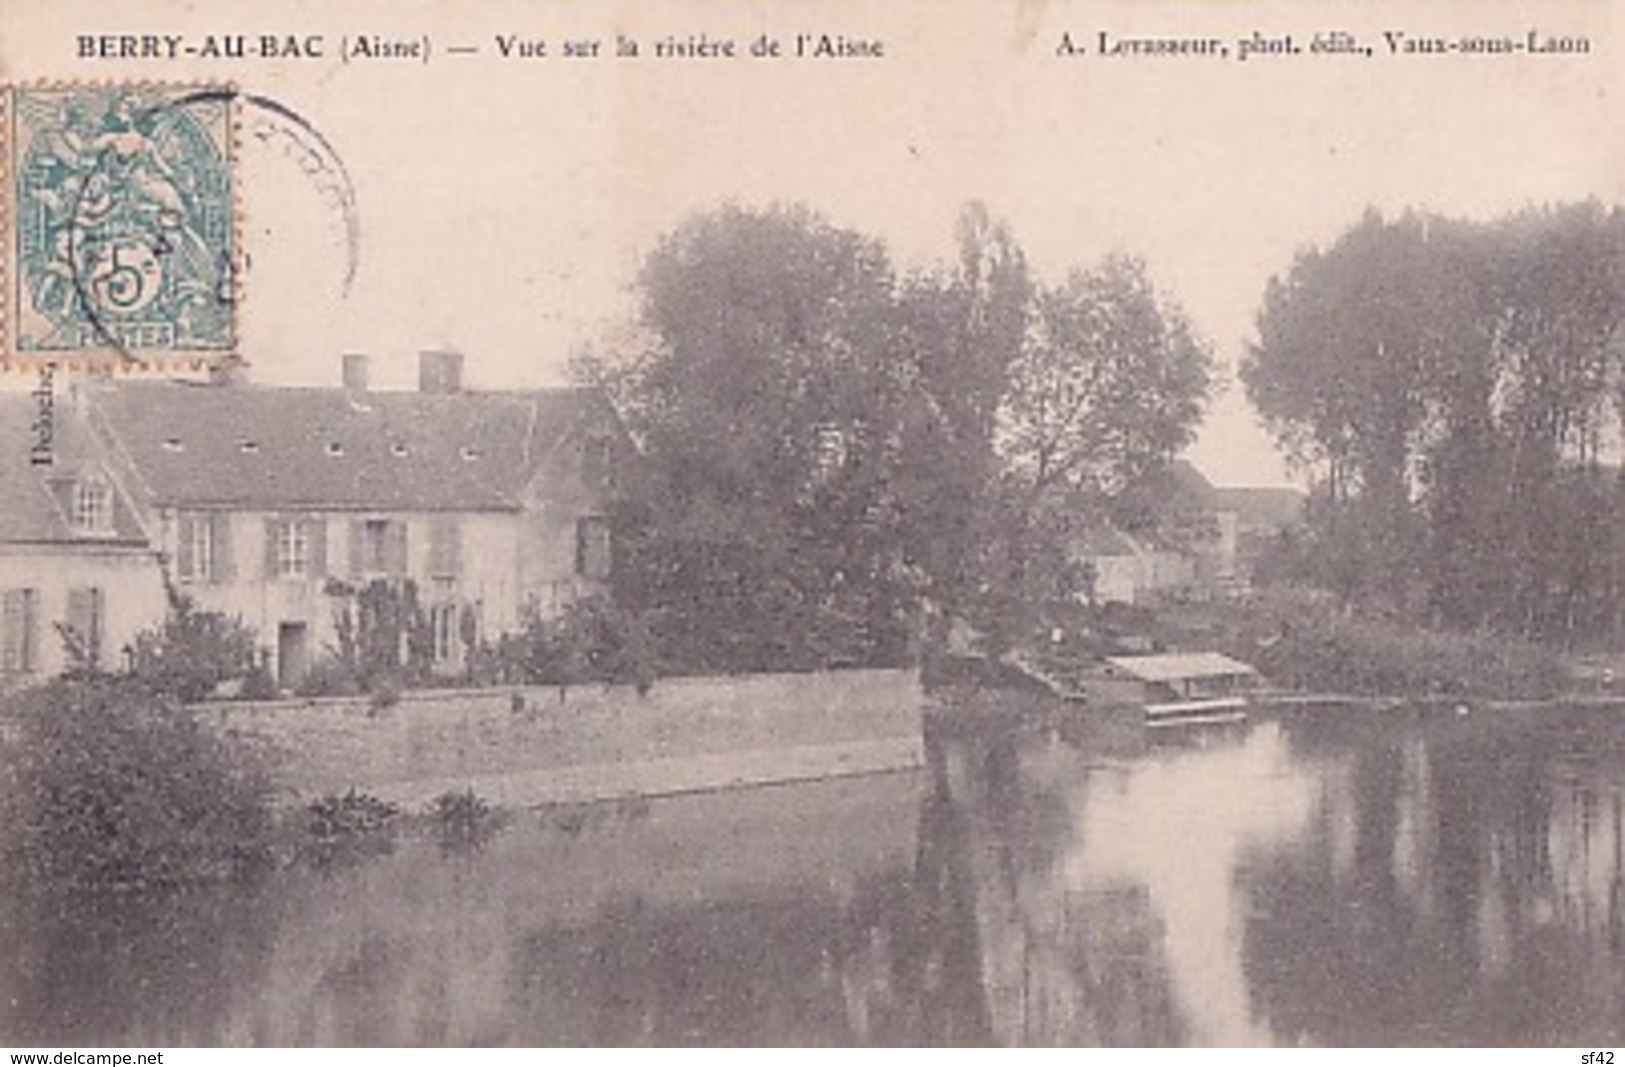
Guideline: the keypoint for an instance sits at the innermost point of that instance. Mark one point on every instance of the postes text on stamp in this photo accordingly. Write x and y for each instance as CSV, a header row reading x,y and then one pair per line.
x,y
122,225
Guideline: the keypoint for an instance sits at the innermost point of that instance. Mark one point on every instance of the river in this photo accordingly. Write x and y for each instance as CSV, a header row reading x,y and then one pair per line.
x,y
1319,878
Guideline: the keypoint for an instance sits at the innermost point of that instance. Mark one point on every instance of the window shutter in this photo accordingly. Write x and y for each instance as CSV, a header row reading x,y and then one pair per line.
x,y
271,528
98,623
185,529
225,566
11,631
592,547
85,623
445,547
397,549
358,545
316,546
30,641
79,612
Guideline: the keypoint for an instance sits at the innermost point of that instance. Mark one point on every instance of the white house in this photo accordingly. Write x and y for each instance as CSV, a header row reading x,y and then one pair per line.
x,y
265,503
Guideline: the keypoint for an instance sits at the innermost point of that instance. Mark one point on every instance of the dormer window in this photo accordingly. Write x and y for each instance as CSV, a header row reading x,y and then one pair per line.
x,y
92,506
334,448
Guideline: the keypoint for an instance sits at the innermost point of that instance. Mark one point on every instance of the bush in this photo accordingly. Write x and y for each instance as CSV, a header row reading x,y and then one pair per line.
x,y
329,677
1314,646
373,622
193,652
385,694
259,685
592,641
106,784
350,815
462,818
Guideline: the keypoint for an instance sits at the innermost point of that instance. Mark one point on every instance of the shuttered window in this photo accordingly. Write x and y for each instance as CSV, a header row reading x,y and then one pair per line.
x,y
19,631
203,547
378,548
592,547
443,627
292,550
375,556
445,547
295,548
396,559
86,622
597,458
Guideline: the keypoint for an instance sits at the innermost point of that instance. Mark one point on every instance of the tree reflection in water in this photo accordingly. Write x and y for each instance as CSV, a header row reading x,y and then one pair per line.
x,y
1335,880
1465,886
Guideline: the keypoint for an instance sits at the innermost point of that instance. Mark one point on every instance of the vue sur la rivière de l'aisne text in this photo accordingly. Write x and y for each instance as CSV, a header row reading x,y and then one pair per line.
x,y
1104,43
316,46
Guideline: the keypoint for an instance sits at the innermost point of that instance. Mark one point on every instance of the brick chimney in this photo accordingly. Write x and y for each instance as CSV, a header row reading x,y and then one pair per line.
x,y
356,370
440,371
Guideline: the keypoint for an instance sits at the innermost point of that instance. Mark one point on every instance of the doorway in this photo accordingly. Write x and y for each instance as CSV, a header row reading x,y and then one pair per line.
x,y
292,654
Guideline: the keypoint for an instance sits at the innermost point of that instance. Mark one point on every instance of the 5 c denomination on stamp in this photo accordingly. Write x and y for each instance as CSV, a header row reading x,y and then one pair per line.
x,y
121,225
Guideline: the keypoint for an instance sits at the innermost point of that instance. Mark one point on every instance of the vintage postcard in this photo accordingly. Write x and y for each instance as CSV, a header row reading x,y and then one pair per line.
x,y
550,522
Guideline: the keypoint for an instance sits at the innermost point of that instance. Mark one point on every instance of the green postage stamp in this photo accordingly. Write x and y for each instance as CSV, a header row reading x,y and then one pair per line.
x,y
121,225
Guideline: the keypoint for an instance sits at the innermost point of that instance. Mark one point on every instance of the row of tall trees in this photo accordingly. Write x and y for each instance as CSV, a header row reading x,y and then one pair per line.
x,y
1457,389
830,442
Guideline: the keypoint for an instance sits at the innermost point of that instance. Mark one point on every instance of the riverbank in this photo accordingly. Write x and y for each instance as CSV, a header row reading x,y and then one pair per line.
x,y
1310,650
1304,643
523,746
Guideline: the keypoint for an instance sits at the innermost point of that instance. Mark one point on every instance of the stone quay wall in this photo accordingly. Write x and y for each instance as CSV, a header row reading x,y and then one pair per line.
x,y
532,745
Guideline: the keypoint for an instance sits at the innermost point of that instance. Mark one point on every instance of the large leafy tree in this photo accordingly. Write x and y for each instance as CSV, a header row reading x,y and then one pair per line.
x,y
827,444
961,331
1352,345
766,404
1454,387
1110,385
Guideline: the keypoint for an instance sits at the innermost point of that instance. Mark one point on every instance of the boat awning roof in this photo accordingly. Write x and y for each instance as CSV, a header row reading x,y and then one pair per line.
x,y
1171,666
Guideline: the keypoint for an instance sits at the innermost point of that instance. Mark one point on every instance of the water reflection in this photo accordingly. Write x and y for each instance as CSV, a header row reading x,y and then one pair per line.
x,y
1309,879
1464,886
1177,826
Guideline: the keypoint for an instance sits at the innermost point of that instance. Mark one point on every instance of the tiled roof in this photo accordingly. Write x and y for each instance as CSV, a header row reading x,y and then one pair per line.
x,y
1262,505
1102,539
1187,486
264,447
33,497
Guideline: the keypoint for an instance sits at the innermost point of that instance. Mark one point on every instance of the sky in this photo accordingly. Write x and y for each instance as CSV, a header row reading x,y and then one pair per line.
x,y
502,206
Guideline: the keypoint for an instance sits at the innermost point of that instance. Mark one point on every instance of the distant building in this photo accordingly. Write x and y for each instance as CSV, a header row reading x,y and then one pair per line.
x,y
1195,541
1116,561
1261,514
1191,520
266,503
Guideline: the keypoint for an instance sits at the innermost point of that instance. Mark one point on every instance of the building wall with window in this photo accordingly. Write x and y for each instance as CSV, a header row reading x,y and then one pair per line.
x,y
102,595
273,504
565,548
277,568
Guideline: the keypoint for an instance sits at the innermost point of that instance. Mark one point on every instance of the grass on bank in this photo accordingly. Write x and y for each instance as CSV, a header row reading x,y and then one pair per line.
x,y
1302,641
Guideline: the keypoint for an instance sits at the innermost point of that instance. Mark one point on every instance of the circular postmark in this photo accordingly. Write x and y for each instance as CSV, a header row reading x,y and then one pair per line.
x,y
281,133
129,220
